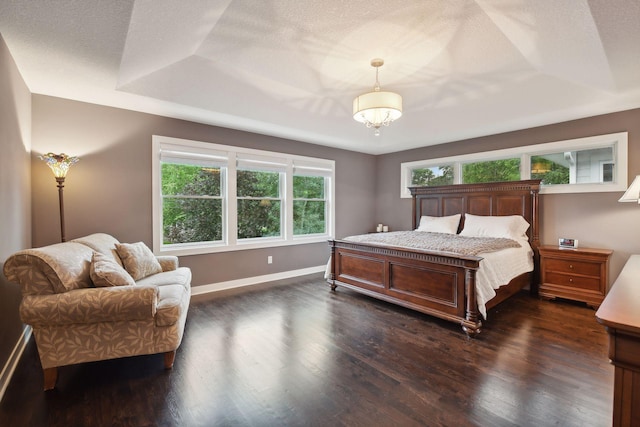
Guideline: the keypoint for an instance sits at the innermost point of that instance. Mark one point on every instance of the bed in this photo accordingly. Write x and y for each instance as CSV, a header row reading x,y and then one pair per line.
x,y
441,284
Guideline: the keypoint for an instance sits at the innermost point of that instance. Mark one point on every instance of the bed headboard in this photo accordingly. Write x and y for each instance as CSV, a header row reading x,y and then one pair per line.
x,y
493,198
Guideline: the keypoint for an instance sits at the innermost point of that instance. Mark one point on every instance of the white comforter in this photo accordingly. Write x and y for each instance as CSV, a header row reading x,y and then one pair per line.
x,y
499,268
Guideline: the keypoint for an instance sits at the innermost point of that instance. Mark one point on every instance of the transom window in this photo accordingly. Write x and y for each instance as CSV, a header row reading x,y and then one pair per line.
x,y
593,164
210,198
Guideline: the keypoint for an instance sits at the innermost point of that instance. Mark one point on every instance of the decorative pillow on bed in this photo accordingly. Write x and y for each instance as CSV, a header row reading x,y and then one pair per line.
x,y
511,226
105,272
138,260
439,224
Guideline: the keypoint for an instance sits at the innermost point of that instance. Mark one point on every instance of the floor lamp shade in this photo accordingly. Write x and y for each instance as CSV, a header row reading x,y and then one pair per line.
x,y
60,164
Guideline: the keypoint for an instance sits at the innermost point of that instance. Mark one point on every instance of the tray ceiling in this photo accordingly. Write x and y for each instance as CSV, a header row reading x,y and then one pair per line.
x,y
291,68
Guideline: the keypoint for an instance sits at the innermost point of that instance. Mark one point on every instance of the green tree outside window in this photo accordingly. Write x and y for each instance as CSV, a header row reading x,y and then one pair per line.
x,y
491,171
259,204
192,203
438,175
309,205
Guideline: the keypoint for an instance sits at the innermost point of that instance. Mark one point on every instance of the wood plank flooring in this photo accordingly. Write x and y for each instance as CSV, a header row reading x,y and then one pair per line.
x,y
298,354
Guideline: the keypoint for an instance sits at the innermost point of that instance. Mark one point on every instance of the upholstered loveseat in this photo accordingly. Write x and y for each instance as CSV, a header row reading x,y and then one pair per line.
x,y
94,298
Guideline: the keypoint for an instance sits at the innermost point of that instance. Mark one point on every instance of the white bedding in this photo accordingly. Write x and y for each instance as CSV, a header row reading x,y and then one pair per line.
x,y
499,268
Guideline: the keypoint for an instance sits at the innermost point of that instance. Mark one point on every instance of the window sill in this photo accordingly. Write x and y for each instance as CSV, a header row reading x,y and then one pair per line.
x,y
218,248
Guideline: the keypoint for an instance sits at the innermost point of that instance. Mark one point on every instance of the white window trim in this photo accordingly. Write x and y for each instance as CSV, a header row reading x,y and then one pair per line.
x,y
620,141
229,229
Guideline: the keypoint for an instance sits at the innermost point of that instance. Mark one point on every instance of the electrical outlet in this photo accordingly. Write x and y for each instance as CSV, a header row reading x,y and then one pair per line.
x,y
269,259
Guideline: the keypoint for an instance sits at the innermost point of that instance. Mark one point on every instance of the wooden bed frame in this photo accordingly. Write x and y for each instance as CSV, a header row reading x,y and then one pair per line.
x,y
436,283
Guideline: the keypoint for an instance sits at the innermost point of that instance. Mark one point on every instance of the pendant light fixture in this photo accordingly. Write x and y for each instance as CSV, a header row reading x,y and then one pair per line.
x,y
377,108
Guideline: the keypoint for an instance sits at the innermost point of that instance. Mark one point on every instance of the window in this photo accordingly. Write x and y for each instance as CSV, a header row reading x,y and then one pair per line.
x,y
593,164
309,205
574,167
311,199
491,171
210,198
431,176
606,172
259,197
192,198
259,204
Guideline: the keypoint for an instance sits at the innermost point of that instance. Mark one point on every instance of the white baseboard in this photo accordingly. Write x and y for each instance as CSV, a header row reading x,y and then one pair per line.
x,y
214,287
14,358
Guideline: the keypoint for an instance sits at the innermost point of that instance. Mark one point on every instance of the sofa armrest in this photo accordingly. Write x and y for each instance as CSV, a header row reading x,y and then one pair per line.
x,y
92,305
168,262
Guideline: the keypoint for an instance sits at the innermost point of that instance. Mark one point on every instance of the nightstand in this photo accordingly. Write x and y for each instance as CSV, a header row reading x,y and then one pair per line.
x,y
577,274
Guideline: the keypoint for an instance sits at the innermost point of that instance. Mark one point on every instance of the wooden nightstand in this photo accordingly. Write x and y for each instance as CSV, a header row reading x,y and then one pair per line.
x,y
578,274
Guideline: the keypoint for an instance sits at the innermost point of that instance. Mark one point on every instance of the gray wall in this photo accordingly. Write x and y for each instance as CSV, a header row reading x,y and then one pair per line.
x,y
595,219
15,177
109,190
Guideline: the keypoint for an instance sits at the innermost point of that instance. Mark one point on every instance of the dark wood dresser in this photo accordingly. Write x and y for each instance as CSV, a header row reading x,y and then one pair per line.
x,y
620,314
576,274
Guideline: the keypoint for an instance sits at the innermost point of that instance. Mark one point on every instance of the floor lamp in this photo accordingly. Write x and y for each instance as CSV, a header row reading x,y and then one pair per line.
x,y
60,164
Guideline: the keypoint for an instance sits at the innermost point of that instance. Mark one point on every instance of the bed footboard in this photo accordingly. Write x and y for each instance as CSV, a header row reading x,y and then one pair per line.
x,y
432,283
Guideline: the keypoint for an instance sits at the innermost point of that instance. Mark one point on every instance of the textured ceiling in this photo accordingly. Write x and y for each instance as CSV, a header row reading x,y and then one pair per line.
x,y
291,68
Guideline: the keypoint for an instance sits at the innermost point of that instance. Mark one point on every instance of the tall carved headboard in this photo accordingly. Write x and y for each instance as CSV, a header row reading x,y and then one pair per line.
x,y
494,198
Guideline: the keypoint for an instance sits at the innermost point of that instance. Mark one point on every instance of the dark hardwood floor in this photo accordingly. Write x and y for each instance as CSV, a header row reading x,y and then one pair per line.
x,y
299,354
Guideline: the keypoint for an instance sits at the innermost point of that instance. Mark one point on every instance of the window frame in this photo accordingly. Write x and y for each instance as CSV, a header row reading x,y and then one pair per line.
x,y
619,141
230,156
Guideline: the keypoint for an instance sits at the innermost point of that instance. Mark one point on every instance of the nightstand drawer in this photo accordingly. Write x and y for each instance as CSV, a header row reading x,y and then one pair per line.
x,y
573,281
571,266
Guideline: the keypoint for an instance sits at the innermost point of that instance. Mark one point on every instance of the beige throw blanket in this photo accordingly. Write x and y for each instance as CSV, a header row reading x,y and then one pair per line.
x,y
441,242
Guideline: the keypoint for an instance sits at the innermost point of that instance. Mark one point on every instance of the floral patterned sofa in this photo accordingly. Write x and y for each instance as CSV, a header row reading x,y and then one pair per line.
x,y
94,298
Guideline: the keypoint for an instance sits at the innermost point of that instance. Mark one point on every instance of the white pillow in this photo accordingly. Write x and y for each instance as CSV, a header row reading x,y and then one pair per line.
x,y
511,226
439,224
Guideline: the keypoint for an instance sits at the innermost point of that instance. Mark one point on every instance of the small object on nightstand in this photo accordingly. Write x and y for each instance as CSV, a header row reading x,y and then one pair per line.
x,y
576,274
565,243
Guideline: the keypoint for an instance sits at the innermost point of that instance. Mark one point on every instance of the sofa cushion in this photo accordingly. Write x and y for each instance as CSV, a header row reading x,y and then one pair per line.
x,y
105,272
103,243
138,260
180,276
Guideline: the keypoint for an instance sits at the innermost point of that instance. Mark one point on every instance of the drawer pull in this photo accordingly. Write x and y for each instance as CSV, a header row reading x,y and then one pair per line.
x,y
571,266
571,279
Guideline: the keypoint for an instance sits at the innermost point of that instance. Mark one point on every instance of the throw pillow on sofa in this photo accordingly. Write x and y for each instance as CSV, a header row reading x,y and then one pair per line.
x,y
106,272
138,260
